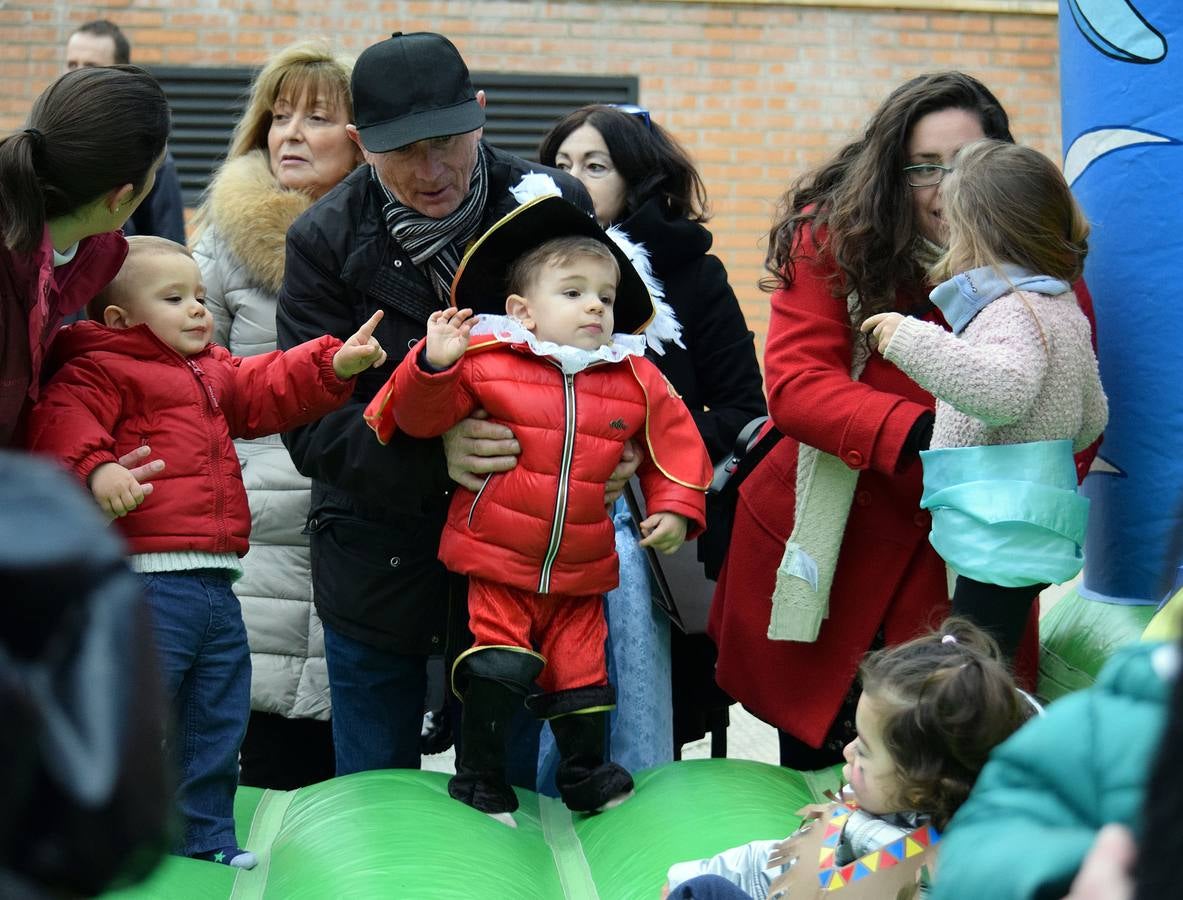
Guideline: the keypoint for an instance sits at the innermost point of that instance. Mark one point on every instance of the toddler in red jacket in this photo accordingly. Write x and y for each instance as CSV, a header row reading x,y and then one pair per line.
x,y
564,368
149,376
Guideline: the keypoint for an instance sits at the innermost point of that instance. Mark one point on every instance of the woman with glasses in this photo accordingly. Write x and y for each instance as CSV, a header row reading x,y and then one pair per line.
x,y
836,503
640,179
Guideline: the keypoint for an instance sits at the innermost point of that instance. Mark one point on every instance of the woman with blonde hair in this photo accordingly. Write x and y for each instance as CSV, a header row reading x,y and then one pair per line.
x,y
289,149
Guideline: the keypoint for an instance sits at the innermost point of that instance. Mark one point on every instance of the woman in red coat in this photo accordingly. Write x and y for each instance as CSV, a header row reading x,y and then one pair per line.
x,y
855,238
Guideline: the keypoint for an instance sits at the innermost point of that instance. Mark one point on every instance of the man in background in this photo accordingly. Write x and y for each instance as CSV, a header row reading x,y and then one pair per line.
x,y
102,43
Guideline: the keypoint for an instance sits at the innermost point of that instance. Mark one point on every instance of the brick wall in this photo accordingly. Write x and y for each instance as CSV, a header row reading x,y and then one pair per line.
x,y
757,92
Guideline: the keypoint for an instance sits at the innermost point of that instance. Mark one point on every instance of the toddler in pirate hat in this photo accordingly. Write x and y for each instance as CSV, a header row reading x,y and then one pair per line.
x,y
550,320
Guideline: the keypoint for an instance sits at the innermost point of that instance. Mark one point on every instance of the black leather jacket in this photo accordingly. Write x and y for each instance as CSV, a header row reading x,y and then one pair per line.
x,y
377,511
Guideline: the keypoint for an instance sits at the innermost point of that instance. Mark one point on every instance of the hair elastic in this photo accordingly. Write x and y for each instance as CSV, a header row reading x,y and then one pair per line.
x,y
37,136
948,639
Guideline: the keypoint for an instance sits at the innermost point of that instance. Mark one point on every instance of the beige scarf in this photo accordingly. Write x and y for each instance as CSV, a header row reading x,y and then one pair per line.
x,y
825,491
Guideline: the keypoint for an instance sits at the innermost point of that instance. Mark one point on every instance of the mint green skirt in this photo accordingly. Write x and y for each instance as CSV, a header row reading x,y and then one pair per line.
x,y
1006,514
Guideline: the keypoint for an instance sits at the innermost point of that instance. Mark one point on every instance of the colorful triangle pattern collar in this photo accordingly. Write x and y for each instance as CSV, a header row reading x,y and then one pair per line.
x,y
833,878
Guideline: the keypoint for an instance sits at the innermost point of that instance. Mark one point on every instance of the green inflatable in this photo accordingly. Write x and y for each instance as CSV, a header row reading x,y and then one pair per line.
x,y
1077,636
397,834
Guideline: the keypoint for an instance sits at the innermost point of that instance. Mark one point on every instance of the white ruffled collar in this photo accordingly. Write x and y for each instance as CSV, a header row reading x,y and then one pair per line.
x,y
572,360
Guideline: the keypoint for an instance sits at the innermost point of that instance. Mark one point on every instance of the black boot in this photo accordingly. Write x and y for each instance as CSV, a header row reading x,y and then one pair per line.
x,y
480,765
492,683
579,719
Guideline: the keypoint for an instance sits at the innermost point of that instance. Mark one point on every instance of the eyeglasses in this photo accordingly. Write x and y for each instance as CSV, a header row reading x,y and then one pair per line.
x,y
637,112
926,174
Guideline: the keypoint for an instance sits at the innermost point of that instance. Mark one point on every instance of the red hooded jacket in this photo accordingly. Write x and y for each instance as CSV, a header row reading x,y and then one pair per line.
x,y
542,525
117,390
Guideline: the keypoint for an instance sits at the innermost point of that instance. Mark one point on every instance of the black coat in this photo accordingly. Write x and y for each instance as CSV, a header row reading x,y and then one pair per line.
x,y
717,374
377,511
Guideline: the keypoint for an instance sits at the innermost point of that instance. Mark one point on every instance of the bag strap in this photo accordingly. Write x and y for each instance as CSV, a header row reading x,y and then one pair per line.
x,y
750,448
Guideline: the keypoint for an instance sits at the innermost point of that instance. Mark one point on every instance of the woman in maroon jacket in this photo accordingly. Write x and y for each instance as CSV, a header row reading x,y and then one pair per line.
x,y
854,238
68,182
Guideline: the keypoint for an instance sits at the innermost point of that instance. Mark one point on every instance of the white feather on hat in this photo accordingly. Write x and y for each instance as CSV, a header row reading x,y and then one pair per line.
x,y
664,326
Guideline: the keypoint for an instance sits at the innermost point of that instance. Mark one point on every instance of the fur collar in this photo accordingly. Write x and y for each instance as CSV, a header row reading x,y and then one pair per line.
x,y
252,215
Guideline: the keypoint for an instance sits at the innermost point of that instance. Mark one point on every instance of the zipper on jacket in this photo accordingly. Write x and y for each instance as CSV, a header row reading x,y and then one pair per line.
x,y
221,542
556,529
477,498
200,374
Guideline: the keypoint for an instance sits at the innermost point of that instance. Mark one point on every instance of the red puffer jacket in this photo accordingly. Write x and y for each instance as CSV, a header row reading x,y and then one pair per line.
x,y
116,390
542,525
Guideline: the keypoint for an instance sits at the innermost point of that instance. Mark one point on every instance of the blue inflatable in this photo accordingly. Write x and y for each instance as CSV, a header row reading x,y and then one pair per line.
x,y
1122,93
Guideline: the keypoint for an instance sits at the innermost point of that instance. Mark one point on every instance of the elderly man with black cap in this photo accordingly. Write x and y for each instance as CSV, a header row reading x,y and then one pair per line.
x,y
390,236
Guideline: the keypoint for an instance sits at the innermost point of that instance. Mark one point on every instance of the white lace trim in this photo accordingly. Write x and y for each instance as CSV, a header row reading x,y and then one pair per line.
x,y
509,330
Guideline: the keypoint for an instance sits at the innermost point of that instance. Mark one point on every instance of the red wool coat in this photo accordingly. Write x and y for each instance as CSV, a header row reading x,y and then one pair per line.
x,y
34,299
888,576
117,390
542,526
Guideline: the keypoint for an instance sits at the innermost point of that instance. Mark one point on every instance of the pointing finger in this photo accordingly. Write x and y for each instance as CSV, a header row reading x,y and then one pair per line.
x,y
367,331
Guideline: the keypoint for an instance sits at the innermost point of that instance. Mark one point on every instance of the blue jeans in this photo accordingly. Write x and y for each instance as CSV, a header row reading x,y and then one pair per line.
x,y
206,666
377,698
708,887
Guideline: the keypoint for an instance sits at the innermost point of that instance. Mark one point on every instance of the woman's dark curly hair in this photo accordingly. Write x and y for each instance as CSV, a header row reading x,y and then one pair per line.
x,y
860,201
946,701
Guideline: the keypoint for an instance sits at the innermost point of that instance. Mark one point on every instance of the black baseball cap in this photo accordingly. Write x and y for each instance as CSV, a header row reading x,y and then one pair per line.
x,y
412,87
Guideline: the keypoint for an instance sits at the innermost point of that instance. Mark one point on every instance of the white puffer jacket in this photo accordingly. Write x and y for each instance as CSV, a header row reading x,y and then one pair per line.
x,y
241,256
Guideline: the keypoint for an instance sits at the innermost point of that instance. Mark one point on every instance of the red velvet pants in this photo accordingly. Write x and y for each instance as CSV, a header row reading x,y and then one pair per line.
x,y
568,630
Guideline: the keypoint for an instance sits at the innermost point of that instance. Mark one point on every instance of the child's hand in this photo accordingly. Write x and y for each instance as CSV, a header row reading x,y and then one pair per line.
x,y
663,531
881,327
360,352
117,490
447,336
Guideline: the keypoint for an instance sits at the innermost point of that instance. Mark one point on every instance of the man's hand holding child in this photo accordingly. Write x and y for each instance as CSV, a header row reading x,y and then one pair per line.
x,y
360,352
447,336
665,531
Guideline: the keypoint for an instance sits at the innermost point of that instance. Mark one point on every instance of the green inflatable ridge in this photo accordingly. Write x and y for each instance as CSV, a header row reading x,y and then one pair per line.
x,y
397,834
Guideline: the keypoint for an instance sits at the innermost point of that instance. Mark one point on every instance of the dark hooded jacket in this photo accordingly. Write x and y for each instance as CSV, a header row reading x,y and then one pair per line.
x,y
377,510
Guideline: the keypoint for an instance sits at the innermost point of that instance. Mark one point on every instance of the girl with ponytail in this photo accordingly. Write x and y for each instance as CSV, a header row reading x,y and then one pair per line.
x,y
931,711
69,180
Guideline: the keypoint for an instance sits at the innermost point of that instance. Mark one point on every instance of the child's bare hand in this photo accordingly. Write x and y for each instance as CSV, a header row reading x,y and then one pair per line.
x,y
360,352
881,327
447,336
665,532
117,490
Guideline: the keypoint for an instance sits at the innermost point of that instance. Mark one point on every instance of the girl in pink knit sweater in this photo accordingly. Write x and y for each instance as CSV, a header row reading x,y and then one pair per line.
x,y
1016,380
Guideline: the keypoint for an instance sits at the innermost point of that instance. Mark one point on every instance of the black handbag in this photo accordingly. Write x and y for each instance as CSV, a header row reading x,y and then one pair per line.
x,y
751,446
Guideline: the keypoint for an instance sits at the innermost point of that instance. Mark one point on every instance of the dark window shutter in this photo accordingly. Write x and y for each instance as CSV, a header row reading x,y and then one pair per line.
x,y
206,104
522,108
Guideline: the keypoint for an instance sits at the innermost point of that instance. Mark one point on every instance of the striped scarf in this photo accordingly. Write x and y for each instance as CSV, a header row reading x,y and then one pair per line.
x,y
436,245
